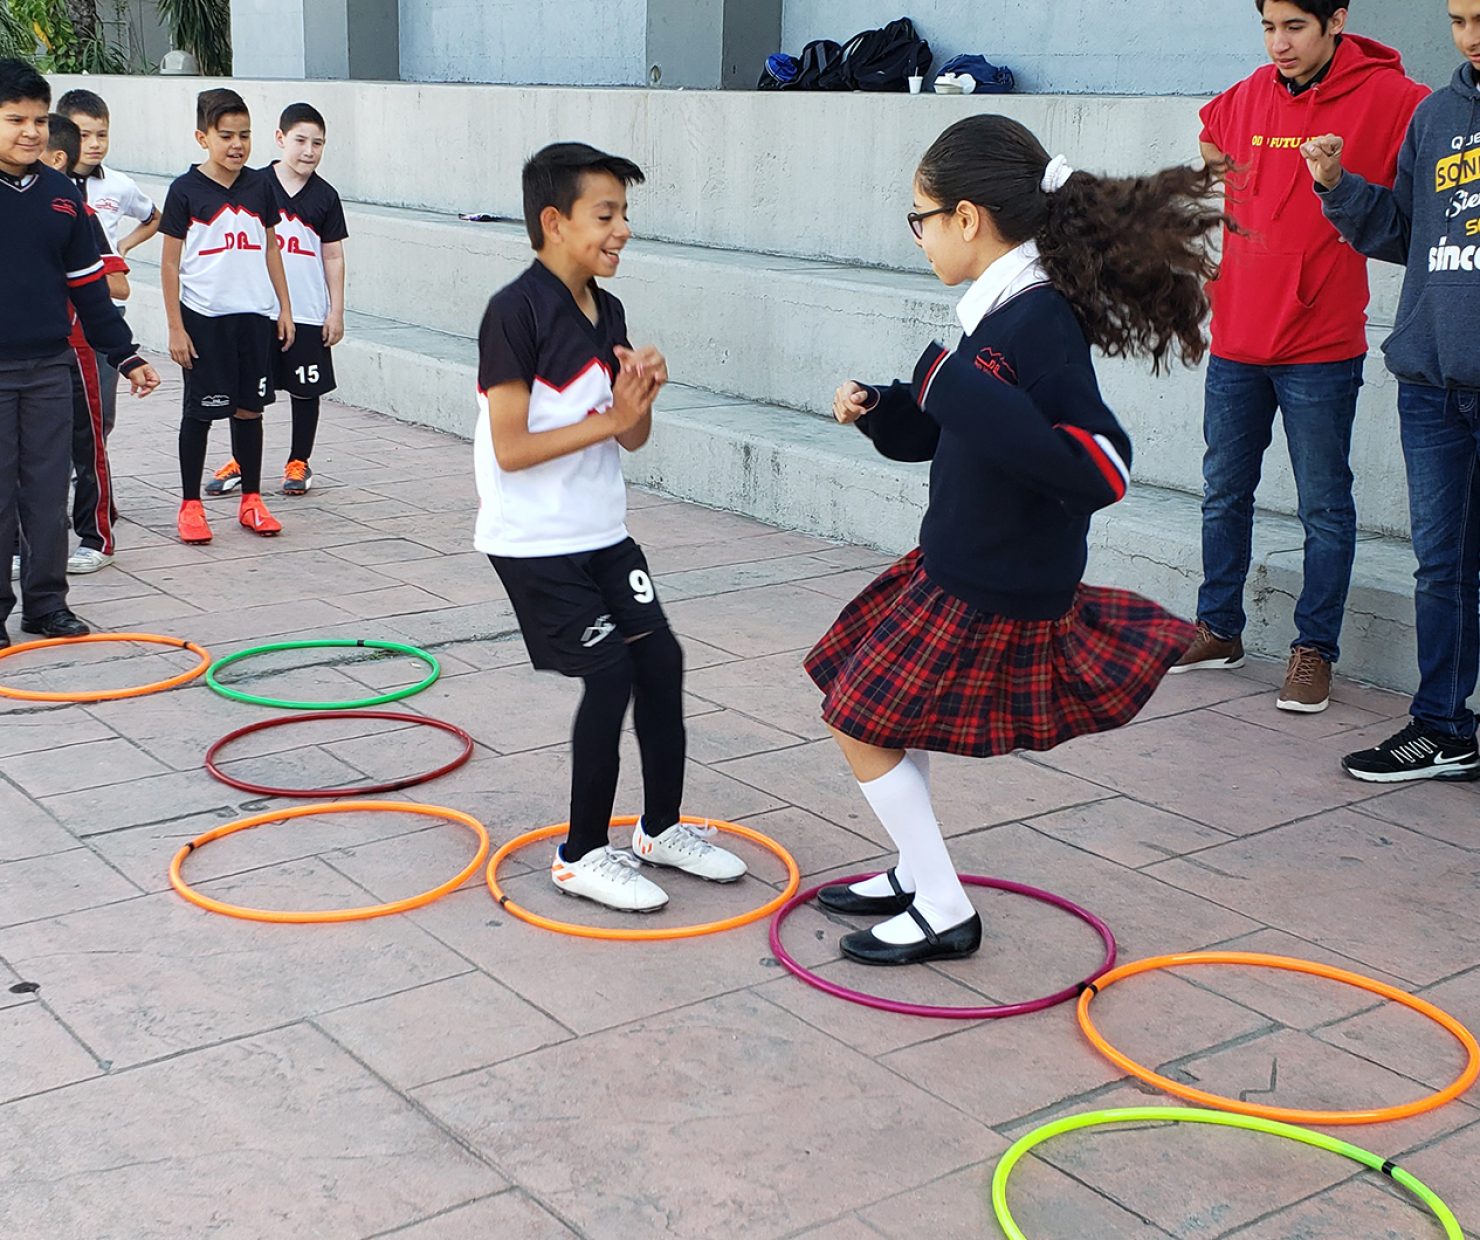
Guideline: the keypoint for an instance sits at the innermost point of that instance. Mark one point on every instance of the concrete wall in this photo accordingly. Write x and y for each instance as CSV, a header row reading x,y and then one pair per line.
x,y
585,44
738,177
817,176
267,38
1135,47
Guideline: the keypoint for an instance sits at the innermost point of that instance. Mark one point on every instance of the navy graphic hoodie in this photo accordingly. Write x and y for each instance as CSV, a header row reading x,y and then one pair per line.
x,y
1430,222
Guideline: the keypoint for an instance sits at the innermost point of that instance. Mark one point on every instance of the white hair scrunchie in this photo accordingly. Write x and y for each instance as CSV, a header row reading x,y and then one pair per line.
x,y
1056,175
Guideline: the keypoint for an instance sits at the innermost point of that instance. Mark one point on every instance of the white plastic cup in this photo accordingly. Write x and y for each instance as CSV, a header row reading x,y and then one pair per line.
x,y
917,80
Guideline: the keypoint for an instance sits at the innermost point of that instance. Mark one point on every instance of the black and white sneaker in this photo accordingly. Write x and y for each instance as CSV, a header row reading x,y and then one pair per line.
x,y
1417,752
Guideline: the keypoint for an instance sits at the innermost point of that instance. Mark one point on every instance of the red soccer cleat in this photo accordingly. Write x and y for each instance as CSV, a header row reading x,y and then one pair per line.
x,y
192,524
255,517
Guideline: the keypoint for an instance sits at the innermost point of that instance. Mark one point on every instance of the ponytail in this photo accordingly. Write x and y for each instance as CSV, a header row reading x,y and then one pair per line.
x,y
1130,254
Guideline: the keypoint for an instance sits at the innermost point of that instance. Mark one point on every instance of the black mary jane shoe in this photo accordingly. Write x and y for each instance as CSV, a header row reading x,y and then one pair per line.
x,y
60,623
841,898
962,939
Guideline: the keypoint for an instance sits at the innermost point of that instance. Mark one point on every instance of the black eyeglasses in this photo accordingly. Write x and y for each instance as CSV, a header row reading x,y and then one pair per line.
x,y
917,220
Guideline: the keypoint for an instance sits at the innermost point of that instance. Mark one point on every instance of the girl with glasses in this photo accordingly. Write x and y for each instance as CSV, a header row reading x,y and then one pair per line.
x,y
984,640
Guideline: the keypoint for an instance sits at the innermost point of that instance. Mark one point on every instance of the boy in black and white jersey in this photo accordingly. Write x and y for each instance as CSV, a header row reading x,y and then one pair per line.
x,y
127,214
224,287
311,237
560,390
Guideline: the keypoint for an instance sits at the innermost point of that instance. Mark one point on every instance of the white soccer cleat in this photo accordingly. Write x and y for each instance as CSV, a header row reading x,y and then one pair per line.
x,y
608,877
683,847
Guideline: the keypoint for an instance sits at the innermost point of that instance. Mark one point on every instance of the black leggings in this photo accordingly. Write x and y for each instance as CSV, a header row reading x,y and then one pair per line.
x,y
650,675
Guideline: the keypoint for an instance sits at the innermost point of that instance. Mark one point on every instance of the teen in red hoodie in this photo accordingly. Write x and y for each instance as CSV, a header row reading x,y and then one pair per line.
x,y
1289,324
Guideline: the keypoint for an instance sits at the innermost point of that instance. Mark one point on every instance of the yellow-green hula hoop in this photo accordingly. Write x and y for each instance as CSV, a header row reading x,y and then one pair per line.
x,y
1225,1119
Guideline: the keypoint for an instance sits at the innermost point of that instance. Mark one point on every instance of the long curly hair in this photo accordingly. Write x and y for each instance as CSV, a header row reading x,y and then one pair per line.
x,y
1131,254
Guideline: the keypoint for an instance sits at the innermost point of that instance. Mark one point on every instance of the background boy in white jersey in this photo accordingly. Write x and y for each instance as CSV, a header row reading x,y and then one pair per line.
x,y
128,216
224,286
311,237
560,389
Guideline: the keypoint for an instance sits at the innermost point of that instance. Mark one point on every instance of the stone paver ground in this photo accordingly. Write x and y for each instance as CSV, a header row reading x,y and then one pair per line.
x,y
453,1072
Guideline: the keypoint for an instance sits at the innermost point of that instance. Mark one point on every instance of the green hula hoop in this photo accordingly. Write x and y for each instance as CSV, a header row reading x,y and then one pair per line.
x,y
252,699
1226,1119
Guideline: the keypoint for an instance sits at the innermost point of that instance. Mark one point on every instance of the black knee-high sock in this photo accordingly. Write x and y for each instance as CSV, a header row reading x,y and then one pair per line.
x,y
595,759
657,715
246,447
194,438
305,427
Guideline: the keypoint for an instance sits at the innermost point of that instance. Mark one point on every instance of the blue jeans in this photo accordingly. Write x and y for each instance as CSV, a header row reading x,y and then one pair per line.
x,y
1318,402
1441,448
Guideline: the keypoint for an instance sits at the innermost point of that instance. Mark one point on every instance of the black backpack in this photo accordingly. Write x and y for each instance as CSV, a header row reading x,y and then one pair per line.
x,y
879,60
818,60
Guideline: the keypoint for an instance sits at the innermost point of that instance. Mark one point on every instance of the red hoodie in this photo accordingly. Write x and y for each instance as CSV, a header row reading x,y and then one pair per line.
x,y
1290,290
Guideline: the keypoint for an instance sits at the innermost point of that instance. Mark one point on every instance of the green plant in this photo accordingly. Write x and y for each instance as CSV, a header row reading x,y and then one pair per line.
x,y
16,38
203,28
69,34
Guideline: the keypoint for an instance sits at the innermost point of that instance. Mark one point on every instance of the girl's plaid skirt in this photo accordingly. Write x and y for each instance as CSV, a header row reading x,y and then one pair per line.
x,y
908,666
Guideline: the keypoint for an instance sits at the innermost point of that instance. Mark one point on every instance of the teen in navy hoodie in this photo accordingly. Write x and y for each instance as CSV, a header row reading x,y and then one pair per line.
x,y
1430,221
984,640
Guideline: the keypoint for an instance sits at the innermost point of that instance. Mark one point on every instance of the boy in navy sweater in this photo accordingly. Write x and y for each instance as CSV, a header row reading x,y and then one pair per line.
x,y
50,257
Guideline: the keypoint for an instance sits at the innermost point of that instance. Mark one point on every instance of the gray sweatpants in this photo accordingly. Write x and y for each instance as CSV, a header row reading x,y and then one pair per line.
x,y
35,469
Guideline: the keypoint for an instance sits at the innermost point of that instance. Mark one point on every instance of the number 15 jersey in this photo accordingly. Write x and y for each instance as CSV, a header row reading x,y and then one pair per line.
x,y
311,219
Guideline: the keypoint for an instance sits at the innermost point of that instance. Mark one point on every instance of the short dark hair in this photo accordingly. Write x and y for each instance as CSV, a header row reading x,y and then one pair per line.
x,y
18,81
63,135
552,178
212,105
84,103
301,114
1322,10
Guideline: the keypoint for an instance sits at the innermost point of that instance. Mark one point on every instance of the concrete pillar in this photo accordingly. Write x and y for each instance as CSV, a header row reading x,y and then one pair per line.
x,y
703,44
326,40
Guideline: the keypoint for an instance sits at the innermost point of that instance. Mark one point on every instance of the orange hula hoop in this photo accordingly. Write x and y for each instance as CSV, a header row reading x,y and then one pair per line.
x,y
107,695
1283,1114
575,929
288,917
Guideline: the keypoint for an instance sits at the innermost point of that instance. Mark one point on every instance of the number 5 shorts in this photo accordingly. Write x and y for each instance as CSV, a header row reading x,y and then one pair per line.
x,y
233,366
577,611
307,369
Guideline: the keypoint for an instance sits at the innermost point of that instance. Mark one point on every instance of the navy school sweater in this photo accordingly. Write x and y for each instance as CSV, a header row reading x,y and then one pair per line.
x,y
1023,450
50,257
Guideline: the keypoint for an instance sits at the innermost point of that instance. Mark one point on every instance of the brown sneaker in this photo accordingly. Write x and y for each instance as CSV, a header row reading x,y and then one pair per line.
x,y
1209,652
1307,688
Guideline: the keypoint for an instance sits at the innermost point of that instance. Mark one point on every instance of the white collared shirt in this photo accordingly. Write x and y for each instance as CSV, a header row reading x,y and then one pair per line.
x,y
1015,272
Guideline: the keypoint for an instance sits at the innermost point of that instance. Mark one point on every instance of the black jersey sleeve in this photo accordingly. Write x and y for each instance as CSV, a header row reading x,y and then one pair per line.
x,y
174,221
334,226
266,204
507,351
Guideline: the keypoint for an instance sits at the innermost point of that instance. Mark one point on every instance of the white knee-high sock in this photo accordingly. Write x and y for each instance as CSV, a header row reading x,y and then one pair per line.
x,y
901,799
879,884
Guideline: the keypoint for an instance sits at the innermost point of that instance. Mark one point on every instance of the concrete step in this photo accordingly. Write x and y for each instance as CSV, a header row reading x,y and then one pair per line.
x,y
803,473
785,331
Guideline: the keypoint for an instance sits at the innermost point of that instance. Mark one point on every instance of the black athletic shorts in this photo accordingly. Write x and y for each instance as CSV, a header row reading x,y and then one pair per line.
x,y
307,369
233,368
577,611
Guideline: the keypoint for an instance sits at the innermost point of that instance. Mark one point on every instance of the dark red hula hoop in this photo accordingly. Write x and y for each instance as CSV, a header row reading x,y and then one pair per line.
x,y
788,962
393,785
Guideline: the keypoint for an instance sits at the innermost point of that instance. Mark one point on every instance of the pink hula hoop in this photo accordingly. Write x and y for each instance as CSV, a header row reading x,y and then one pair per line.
x,y
998,1012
